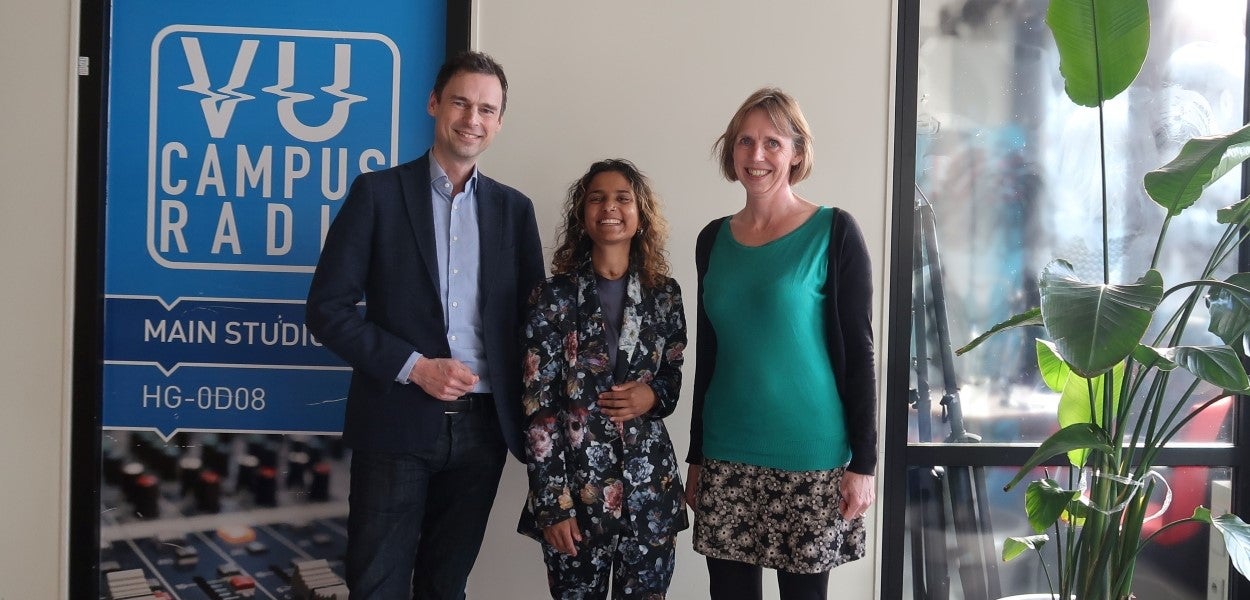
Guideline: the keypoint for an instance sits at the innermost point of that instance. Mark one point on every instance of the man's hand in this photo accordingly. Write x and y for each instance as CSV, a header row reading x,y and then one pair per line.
x,y
443,378
563,536
858,493
629,400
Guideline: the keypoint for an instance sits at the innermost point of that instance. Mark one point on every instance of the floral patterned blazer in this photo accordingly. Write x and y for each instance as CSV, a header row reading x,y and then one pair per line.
x,y
580,464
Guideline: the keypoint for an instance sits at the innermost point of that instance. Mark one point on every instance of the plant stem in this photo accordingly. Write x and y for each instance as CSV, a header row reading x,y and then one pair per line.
x,y
1098,534
1093,409
1153,444
1223,252
1096,521
1150,413
1067,583
1058,561
1126,554
1163,231
1175,523
1102,145
1128,391
1110,417
1167,437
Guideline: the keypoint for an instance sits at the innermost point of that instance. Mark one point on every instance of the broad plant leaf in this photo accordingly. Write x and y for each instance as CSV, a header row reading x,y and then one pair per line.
x,y
1236,536
1074,401
1202,160
1096,326
1230,309
1154,358
1077,512
1054,371
1033,316
1216,365
1099,36
1238,212
1074,404
1015,546
1045,502
1072,437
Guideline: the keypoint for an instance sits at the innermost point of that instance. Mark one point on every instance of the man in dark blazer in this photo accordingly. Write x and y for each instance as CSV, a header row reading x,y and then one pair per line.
x,y
444,258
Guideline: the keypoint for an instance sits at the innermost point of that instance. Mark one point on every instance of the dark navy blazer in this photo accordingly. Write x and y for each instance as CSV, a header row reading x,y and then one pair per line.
x,y
381,249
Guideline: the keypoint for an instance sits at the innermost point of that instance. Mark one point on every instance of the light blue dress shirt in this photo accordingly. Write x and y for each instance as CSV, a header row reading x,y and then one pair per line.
x,y
459,266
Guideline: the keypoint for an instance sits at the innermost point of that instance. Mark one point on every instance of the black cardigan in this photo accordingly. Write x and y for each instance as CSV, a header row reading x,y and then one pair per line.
x,y
848,333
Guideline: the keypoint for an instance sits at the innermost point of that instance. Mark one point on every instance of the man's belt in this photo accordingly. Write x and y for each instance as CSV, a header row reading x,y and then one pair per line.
x,y
468,403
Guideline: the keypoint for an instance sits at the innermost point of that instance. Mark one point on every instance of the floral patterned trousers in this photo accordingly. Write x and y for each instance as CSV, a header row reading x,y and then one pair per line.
x,y
638,567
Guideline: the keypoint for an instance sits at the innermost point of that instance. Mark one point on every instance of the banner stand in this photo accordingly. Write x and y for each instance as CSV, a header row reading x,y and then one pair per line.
x,y
216,143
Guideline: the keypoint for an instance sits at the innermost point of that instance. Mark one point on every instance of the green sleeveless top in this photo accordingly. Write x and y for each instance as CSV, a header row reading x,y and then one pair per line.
x,y
773,400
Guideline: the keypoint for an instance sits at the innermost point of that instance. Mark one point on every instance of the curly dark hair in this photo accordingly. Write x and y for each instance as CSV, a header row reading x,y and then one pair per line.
x,y
646,250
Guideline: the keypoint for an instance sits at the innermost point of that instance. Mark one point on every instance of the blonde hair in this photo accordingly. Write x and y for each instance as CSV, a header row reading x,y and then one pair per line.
x,y
784,112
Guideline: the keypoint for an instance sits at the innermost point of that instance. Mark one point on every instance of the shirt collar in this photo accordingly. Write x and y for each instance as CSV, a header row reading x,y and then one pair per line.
x,y
439,180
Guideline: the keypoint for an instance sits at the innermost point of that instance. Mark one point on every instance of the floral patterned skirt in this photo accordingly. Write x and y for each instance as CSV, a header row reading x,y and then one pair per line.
x,y
785,520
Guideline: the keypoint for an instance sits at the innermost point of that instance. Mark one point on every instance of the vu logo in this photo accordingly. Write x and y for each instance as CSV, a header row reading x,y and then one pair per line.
x,y
219,102
254,136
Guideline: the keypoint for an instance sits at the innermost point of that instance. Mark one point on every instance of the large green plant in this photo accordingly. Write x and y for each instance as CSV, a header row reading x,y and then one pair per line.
x,y
1112,381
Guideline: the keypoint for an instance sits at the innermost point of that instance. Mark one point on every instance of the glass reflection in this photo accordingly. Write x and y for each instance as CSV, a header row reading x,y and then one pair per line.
x,y
1011,169
1008,178
940,557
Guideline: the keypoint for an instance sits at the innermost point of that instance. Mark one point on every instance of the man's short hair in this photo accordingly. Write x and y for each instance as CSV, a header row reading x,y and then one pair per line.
x,y
468,61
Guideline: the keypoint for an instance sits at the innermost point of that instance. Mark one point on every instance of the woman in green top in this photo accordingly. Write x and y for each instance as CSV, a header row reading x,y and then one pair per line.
x,y
783,434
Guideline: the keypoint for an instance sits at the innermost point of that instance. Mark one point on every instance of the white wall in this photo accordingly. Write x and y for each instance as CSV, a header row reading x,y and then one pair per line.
x,y
656,81
650,80
34,350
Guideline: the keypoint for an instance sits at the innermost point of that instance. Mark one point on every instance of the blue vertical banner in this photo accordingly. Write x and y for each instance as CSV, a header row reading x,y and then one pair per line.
x,y
234,132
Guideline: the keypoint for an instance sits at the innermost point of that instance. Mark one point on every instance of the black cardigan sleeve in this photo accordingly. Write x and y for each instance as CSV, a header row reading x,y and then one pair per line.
x,y
848,323
705,346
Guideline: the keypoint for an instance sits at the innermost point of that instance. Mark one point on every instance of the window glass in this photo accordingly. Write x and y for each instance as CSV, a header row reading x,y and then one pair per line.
x,y
1175,566
1011,170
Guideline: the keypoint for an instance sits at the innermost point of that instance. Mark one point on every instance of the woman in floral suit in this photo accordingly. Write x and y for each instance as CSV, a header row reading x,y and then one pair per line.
x,y
604,342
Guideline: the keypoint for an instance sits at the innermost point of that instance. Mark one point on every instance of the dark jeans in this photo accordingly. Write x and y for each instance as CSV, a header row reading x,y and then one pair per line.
x,y
418,519
733,580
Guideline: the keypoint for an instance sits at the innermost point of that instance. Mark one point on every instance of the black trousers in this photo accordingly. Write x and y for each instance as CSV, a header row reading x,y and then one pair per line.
x,y
733,580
